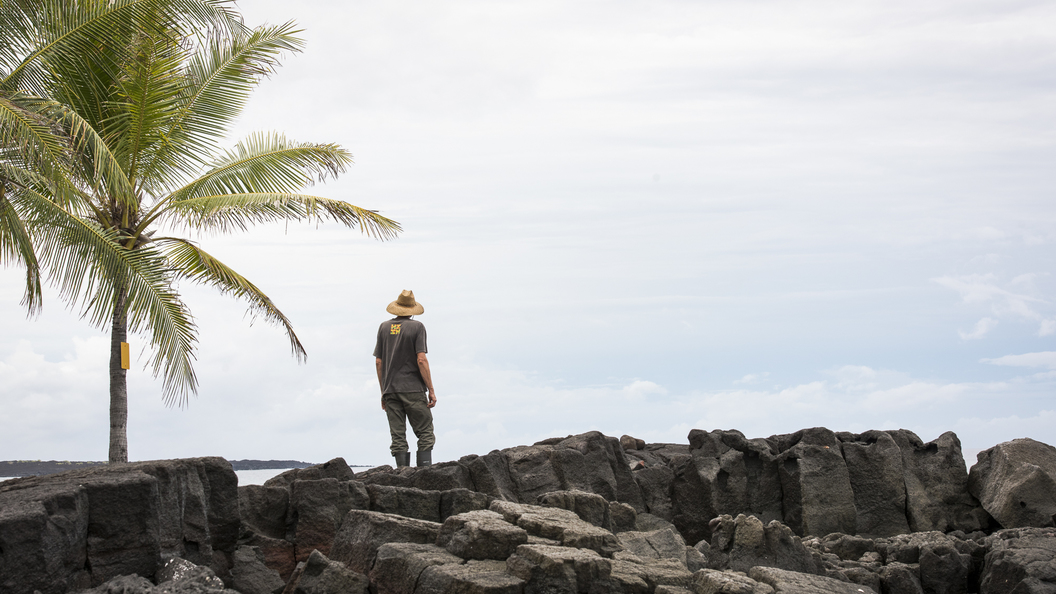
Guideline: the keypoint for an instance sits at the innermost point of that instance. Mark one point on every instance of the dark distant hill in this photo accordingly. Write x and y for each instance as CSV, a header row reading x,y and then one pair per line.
x,y
41,467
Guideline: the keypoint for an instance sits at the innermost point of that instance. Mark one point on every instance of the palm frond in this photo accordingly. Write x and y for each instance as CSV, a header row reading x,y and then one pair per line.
x,y
88,265
221,77
191,262
16,248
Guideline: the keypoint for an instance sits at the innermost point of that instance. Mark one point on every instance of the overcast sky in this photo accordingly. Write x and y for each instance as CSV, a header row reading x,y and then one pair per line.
x,y
634,217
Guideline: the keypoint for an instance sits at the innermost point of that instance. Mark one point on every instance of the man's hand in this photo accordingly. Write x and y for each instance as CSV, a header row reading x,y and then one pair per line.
x,y
432,399
382,403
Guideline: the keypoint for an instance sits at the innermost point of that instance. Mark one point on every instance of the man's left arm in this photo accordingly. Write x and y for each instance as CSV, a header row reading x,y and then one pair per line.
x,y
427,377
377,363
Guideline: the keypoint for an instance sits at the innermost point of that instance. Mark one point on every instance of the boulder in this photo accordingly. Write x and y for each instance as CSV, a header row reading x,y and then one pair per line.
x,y
658,544
249,574
936,481
458,501
815,484
1020,560
335,469
74,529
711,581
476,577
320,575
363,532
628,574
398,566
317,508
125,584
279,554
791,582
631,443
874,465
743,542
899,578
263,509
490,474
480,534
558,524
654,483
405,501
622,517
1015,482
589,507
549,569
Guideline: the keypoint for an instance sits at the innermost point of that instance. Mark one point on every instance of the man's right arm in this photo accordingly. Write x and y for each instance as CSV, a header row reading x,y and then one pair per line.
x,y
377,363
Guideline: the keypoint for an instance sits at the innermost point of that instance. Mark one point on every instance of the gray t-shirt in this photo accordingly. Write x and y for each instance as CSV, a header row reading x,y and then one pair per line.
x,y
399,342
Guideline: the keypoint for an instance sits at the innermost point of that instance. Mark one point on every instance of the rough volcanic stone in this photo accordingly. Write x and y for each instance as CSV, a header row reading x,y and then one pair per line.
x,y
398,565
279,554
480,534
558,524
846,546
874,465
475,577
816,485
548,569
43,538
336,469
458,501
936,480
125,584
317,508
443,476
1015,482
531,471
631,443
363,532
658,544
622,517
490,475
1020,561
899,578
711,581
791,582
743,542
590,507
654,483
405,501
628,573
325,576
263,509
249,575
943,569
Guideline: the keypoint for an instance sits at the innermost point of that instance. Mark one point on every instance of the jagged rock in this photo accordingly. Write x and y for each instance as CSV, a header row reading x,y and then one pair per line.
x,y
398,565
458,501
628,574
654,483
846,546
125,584
622,517
480,534
405,501
711,581
742,543
363,532
279,555
589,507
815,483
1015,482
695,560
558,524
490,474
791,582
1020,561
249,574
317,508
320,575
936,480
81,528
335,469
548,569
658,544
899,578
263,509
476,577
632,443
874,465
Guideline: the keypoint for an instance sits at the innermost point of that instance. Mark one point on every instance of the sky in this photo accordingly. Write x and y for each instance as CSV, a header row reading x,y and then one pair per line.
x,y
637,218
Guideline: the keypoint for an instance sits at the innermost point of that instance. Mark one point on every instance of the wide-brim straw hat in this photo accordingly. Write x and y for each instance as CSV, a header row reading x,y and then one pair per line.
x,y
405,305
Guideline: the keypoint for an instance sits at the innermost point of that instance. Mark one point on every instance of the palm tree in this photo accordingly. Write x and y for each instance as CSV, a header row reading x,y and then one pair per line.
x,y
111,114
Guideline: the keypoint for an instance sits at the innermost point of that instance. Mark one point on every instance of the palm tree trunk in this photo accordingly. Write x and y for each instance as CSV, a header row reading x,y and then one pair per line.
x,y
118,382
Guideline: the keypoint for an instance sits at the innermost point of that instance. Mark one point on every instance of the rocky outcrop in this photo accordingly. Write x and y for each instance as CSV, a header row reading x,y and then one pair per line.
x,y
65,532
1016,483
804,512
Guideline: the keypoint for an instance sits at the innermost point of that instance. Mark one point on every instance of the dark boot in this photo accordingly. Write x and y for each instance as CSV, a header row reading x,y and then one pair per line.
x,y
402,459
425,458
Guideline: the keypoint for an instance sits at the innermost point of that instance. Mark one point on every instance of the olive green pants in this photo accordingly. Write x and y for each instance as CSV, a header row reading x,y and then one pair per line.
x,y
401,407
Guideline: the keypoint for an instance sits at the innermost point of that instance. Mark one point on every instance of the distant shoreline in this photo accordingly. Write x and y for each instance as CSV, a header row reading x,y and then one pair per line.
x,y
16,468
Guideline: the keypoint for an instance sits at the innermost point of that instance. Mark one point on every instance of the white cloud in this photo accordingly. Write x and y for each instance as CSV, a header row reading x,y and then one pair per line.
x,y
982,327
1041,359
752,378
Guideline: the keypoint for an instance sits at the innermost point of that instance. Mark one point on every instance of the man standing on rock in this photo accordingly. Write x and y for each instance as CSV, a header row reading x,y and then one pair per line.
x,y
406,385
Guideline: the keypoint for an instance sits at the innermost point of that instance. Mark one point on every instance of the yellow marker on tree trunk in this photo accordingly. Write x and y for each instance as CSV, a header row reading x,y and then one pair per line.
x,y
124,355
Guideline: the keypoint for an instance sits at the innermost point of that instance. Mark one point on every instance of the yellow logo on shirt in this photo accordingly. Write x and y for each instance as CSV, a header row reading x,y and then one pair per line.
x,y
394,329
